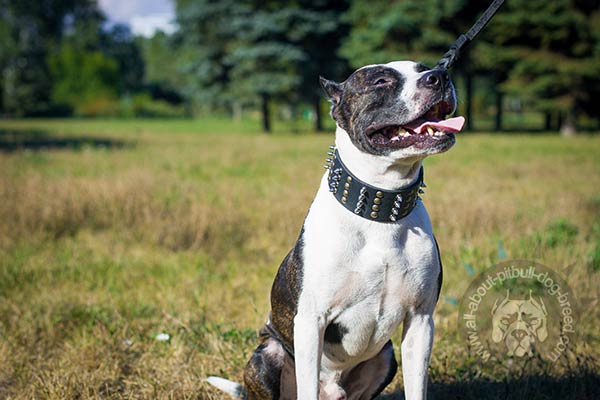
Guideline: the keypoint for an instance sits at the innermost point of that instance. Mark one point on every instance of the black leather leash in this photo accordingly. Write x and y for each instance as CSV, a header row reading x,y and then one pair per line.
x,y
447,61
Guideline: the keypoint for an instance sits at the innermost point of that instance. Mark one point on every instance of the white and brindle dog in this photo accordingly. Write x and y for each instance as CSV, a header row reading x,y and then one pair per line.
x,y
366,259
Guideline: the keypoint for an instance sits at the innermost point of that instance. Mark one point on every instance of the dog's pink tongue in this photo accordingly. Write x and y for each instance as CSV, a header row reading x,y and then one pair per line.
x,y
448,125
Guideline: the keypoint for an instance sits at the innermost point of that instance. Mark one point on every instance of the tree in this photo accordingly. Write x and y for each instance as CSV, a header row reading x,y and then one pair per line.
x,y
553,52
411,30
84,80
282,48
118,43
254,52
162,80
155,51
263,62
318,31
237,52
30,30
203,41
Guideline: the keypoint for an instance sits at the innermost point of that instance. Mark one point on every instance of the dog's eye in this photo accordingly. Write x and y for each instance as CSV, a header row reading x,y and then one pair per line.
x,y
381,81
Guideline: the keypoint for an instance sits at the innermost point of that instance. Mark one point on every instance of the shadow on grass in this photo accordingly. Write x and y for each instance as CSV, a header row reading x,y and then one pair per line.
x,y
582,386
14,140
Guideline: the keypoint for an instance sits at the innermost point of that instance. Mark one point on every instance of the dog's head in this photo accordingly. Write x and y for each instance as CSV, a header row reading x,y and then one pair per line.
x,y
519,323
397,109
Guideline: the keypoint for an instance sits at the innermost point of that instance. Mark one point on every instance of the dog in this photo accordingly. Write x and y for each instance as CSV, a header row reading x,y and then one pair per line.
x,y
519,323
366,259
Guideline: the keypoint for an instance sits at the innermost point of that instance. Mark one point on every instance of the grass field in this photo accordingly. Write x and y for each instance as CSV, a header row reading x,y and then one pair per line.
x,y
113,232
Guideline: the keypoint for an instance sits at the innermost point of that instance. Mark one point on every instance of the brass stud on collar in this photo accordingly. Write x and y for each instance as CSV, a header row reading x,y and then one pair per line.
x,y
375,207
374,214
377,200
345,193
349,179
347,185
379,194
344,199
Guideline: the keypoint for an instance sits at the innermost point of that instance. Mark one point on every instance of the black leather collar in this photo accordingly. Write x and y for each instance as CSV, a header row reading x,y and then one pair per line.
x,y
368,201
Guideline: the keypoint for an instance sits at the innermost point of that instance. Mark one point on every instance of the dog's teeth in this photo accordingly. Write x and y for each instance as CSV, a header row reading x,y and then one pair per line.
x,y
430,130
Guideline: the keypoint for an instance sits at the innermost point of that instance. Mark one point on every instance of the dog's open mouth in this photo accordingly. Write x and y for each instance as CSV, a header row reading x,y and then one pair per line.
x,y
429,129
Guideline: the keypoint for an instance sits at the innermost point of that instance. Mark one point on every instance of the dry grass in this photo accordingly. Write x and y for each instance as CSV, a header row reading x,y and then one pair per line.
x,y
102,248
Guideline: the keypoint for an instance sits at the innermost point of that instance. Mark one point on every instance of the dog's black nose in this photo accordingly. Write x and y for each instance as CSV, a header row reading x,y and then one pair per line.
x,y
434,79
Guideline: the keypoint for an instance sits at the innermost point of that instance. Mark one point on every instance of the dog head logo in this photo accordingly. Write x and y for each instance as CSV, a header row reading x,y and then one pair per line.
x,y
519,323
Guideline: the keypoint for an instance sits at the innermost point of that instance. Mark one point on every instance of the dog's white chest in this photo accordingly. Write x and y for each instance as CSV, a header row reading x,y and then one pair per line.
x,y
365,276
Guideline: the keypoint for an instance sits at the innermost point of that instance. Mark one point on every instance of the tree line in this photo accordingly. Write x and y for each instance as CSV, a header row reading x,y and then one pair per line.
x,y
60,58
238,56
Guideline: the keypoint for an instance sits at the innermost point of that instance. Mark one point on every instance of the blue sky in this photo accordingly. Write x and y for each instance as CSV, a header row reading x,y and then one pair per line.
x,y
143,16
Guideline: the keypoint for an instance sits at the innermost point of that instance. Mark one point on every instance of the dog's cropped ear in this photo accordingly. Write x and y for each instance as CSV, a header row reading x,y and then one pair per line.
x,y
332,89
502,303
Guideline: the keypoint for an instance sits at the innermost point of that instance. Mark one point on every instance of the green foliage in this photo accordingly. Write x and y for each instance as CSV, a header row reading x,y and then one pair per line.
x,y
204,39
55,53
154,52
544,53
549,54
593,256
118,43
405,30
560,232
535,56
243,53
85,80
142,105
30,29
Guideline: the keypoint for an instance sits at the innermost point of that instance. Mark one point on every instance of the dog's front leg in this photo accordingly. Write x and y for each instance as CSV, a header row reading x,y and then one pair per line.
x,y
417,339
309,329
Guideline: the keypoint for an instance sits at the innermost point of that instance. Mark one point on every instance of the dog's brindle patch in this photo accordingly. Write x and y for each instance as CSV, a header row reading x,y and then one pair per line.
x,y
262,378
360,100
268,370
285,292
374,96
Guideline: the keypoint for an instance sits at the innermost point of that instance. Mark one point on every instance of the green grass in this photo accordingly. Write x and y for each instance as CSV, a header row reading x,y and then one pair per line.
x,y
115,231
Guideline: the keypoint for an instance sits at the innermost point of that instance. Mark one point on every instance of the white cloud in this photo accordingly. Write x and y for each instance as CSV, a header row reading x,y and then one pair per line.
x,y
143,16
148,24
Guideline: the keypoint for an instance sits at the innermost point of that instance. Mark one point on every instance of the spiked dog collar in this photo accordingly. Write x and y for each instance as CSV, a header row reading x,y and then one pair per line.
x,y
368,201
